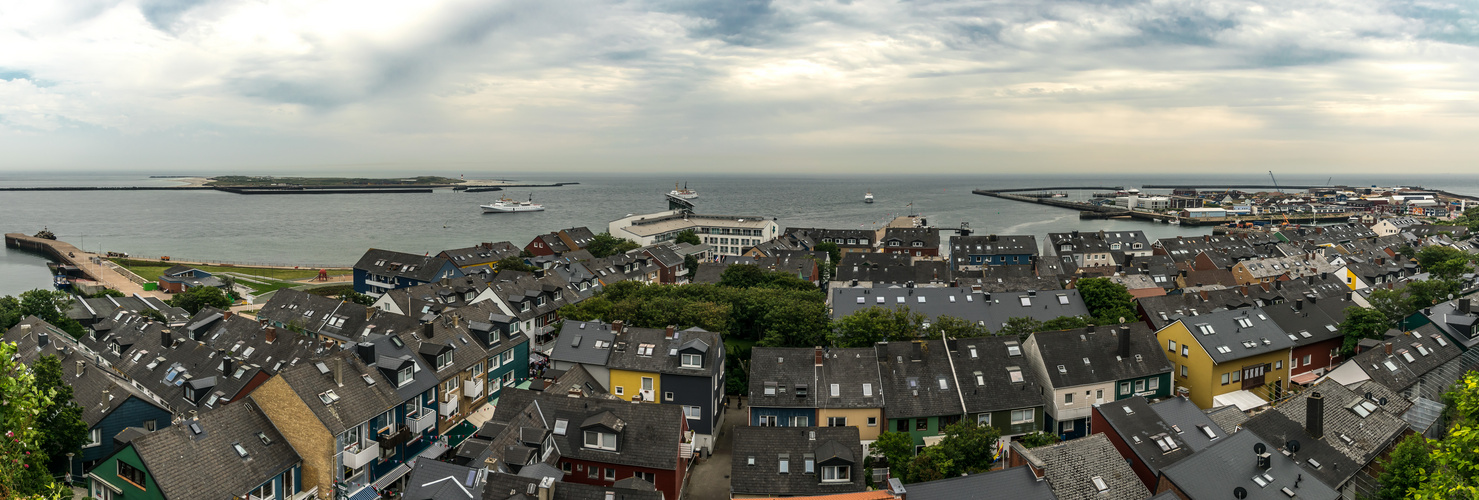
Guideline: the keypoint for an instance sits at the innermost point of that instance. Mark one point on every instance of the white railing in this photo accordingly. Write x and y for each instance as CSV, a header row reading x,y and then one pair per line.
x,y
380,284
447,407
473,388
355,458
422,422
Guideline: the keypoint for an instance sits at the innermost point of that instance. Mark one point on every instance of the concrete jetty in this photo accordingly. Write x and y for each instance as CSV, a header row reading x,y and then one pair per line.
x,y
96,267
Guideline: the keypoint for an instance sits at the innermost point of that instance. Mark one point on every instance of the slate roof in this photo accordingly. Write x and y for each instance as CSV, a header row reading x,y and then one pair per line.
x,y
578,343
1070,467
890,268
1305,323
990,309
829,446
504,486
1457,325
358,402
339,319
1229,417
664,355
849,368
1427,354
994,390
434,480
578,379
89,311
1368,435
484,253
1149,436
928,237
1007,279
188,465
1231,463
1016,483
437,296
1100,347
1261,335
962,247
95,389
401,264
649,438
518,290
911,372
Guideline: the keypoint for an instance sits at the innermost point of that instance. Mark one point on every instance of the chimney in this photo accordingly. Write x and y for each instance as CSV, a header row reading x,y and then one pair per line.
x,y
228,365
1314,414
616,326
1264,461
819,356
1388,347
1348,296
271,335
366,352
81,367
369,311
428,329
668,333
1464,306
546,489
42,339
993,237
339,371
165,339
226,315
1278,285
1125,342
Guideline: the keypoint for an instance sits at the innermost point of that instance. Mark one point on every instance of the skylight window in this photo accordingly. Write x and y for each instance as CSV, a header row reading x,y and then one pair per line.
x,y
560,426
1206,329
1408,356
1099,484
1390,365
1063,299
239,450
1245,322
1207,429
868,390
263,436
1062,369
1305,334
1026,301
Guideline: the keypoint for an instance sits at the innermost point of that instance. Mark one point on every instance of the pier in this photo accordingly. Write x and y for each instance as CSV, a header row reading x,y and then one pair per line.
x,y
1092,211
96,267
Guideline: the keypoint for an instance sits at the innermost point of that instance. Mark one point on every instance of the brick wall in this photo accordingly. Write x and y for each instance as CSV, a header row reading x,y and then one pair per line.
x,y
295,421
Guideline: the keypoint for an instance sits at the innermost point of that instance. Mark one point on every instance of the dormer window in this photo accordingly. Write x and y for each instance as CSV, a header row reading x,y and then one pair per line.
x,y
600,440
693,361
836,473
524,306
404,376
444,360
1015,373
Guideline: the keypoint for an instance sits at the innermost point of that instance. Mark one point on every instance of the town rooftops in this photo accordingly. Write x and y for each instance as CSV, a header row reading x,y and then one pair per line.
x,y
1162,433
400,264
1412,354
584,342
339,407
1016,483
918,380
647,434
1233,464
994,375
1084,469
1230,335
991,310
803,377
484,253
1354,428
657,350
1100,354
788,461
434,480
964,246
232,449
97,390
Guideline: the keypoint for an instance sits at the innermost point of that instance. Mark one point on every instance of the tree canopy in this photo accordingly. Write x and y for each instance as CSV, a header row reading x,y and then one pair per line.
x,y
49,305
1361,323
200,297
688,236
1444,262
1107,301
966,449
1446,468
777,317
606,245
24,473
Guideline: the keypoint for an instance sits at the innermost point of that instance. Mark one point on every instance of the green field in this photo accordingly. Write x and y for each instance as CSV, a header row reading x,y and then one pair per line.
x,y
151,270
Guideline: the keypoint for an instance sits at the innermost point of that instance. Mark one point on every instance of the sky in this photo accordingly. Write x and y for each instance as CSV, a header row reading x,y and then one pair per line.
x,y
739,86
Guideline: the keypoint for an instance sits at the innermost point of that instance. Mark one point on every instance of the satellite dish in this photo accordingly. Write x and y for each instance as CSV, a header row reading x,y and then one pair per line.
x,y
1292,446
1240,493
1382,401
1259,448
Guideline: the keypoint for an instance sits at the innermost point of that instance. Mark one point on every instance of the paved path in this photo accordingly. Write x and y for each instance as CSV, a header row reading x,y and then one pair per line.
x,y
90,264
710,477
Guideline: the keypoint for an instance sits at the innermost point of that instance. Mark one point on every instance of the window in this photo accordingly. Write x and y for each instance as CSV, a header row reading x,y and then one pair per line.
x,y
404,376
1022,417
767,420
1067,426
1237,376
1307,360
921,424
1171,345
263,492
593,472
872,421
1124,388
785,463
1155,383
836,473
444,360
1015,373
983,419
621,391
693,412
667,396
901,425
610,474
1279,365
868,390
801,421
693,361
94,438
600,440
1226,378
836,421
129,473
1185,351
565,467
1068,398
149,425
1139,385
1183,370
836,390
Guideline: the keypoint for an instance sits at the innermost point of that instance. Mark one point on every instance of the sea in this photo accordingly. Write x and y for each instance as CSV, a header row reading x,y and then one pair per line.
x,y
335,229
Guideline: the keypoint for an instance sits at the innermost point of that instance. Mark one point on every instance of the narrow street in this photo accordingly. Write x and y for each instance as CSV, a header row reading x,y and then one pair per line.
x,y
710,478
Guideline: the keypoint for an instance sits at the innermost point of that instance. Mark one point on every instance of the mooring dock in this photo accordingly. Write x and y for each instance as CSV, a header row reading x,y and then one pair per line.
x,y
96,267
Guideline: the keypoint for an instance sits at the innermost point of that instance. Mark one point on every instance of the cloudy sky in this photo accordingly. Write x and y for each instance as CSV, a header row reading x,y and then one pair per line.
x,y
739,85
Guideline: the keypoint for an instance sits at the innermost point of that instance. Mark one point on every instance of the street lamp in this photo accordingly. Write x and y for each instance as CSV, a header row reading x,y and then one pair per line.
x,y
69,467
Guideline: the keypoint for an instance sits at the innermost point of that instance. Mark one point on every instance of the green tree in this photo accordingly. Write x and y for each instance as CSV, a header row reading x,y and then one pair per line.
x,y
932,463
898,448
1020,327
1391,303
606,245
972,446
358,298
10,312
1065,323
1453,470
834,252
689,237
1036,439
690,263
1402,470
62,419
742,276
1421,294
51,306
512,263
200,297
865,327
1444,262
956,328
1361,323
24,473
1106,300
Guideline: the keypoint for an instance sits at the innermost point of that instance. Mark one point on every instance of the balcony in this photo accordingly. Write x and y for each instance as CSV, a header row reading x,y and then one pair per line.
x,y
380,284
426,419
356,457
447,407
473,388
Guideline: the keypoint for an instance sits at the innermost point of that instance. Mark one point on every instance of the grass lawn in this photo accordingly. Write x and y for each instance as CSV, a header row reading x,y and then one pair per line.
x,y
151,270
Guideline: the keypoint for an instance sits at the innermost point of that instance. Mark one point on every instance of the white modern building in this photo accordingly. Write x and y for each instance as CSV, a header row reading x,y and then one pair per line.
x,y
725,234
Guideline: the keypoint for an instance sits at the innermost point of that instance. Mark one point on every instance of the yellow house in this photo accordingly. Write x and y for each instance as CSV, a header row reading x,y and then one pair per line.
x,y
636,386
869,421
1225,357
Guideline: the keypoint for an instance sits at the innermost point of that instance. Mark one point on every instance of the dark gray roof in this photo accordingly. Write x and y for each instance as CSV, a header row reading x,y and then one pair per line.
x,y
436,296
1160,438
1071,466
206,465
961,247
828,446
990,309
433,480
1458,326
911,374
1421,344
649,436
578,340
851,369
890,268
358,401
1368,435
1305,322
334,318
578,380
484,253
504,486
1229,417
994,389
1182,412
97,390
927,237
400,264
630,351
1093,357
1016,483
1231,463
1230,339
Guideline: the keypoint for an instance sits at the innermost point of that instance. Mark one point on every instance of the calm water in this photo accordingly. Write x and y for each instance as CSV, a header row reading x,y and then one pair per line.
x,y
324,230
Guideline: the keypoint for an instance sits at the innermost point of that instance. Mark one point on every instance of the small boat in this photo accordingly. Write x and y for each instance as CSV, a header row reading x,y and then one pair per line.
x,y
1176,222
868,198
505,205
683,192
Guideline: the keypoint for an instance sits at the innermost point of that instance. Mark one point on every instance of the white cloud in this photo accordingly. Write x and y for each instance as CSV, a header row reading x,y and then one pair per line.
x,y
788,84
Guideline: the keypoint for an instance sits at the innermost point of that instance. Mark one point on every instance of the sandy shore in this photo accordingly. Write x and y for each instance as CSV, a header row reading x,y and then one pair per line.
x,y
191,181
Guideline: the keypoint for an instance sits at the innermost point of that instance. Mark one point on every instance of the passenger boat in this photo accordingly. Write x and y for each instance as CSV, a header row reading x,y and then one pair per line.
x,y
505,205
868,198
683,192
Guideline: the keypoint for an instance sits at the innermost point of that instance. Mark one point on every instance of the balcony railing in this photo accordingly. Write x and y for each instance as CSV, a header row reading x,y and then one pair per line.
x,y
447,407
357,457
380,284
425,420
473,389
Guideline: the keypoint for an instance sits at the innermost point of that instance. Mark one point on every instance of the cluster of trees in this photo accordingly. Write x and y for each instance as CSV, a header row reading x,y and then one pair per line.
x,y
875,324
966,449
1390,308
1470,219
200,297
606,245
40,425
1109,303
49,305
1439,468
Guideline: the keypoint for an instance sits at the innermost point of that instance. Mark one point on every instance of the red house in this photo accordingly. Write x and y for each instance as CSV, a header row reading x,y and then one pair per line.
x,y
912,241
1314,325
593,441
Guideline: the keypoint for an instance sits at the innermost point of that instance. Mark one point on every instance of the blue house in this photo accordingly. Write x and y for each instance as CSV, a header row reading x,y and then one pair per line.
x,y
379,271
969,253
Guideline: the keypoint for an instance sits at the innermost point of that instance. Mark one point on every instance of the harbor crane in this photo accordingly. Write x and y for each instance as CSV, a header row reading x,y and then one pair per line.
x,y
1276,181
